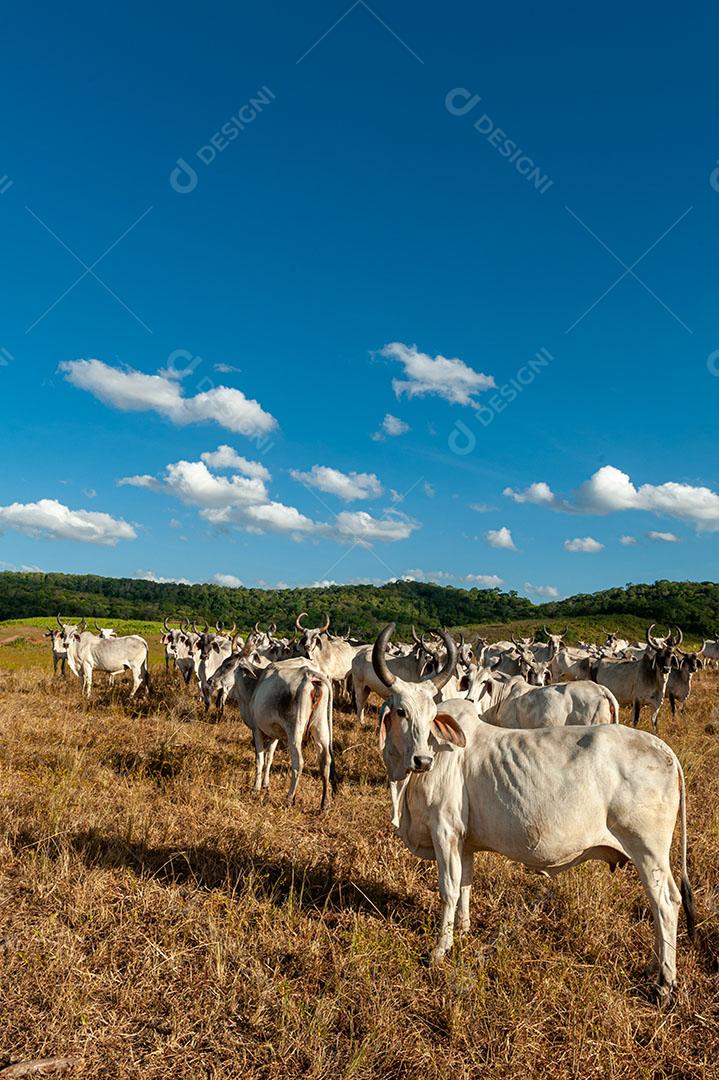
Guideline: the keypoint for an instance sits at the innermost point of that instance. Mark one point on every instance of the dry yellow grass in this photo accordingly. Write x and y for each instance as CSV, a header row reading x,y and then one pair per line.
x,y
158,920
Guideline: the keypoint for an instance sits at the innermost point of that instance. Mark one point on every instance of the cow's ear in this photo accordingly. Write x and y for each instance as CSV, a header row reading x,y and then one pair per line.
x,y
447,728
76,636
215,647
385,716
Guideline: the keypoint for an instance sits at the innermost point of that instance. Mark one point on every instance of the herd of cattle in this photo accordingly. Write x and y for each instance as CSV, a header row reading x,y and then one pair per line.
x,y
526,783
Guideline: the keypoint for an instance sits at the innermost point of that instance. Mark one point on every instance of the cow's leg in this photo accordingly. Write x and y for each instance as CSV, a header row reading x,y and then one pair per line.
x,y
461,919
54,664
637,712
259,741
86,681
448,850
294,745
62,667
664,899
361,695
269,755
655,716
137,681
673,705
324,753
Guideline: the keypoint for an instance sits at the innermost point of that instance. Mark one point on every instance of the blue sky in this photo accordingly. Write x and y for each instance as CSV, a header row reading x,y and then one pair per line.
x,y
494,225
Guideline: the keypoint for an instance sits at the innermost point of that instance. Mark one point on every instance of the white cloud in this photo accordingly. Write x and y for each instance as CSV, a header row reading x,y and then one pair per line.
x,y
481,508
391,427
490,581
549,591
539,493
133,391
51,519
667,537
195,485
243,502
627,540
609,490
228,580
363,528
450,379
89,493
347,486
150,575
500,538
583,543
224,457
428,490
175,524
226,369
144,481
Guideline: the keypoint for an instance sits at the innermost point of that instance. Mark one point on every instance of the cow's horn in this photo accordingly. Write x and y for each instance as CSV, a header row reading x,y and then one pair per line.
x,y
416,640
298,620
98,628
379,660
231,632
59,620
650,640
447,670
272,628
83,625
680,638
325,628
257,627
164,623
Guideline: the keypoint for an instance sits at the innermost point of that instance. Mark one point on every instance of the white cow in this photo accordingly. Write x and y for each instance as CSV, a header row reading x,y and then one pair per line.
x,y
87,654
565,704
549,799
710,651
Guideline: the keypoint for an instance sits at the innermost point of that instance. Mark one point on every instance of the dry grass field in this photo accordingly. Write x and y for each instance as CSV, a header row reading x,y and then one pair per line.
x,y
158,920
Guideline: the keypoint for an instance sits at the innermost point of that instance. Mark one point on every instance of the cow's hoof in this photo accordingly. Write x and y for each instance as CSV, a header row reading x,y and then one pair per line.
x,y
439,954
663,995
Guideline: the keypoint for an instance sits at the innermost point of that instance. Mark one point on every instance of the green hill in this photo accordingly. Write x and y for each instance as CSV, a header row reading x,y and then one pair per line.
x,y
692,605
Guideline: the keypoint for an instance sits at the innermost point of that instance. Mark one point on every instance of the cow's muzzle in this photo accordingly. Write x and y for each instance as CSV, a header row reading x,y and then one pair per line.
x,y
421,763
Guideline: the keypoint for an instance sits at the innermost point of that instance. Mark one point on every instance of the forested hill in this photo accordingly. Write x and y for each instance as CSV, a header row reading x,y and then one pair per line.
x,y
692,605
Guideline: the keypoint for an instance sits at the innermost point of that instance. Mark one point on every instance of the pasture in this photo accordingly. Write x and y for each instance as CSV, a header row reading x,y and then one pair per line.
x,y
158,919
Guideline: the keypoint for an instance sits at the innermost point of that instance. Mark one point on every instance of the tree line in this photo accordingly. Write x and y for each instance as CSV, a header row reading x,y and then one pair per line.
x,y
365,608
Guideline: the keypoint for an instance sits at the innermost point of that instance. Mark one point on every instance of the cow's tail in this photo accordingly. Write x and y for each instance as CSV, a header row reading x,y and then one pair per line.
x,y
686,889
613,704
334,782
148,685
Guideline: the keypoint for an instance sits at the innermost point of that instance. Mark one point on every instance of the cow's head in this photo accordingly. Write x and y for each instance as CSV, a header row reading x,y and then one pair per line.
x,y
556,641
661,653
311,637
70,632
690,661
412,727
478,680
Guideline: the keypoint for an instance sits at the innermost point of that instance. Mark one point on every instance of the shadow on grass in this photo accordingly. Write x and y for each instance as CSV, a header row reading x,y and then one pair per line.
x,y
279,880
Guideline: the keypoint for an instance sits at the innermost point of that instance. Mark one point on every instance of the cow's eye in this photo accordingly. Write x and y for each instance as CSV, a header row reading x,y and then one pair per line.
x,y
400,712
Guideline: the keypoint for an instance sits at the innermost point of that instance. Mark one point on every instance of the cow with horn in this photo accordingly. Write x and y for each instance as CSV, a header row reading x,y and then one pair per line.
x,y
549,798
